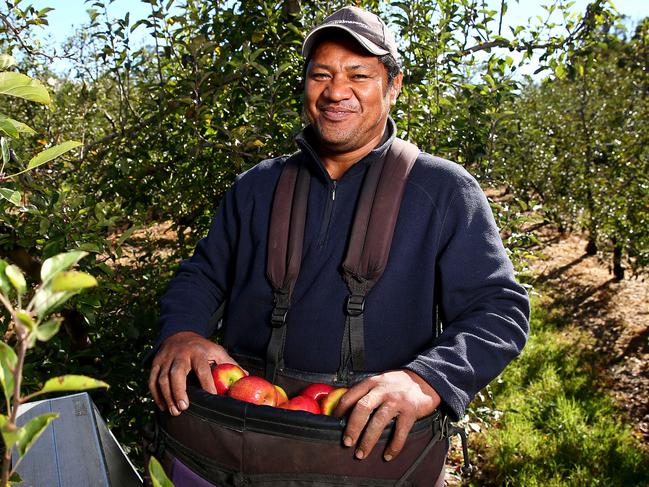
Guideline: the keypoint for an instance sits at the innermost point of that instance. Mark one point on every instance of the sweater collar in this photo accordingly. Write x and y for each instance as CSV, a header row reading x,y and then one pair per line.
x,y
304,138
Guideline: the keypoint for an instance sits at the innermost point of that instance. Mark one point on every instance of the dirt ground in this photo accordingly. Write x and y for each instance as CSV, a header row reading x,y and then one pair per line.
x,y
614,313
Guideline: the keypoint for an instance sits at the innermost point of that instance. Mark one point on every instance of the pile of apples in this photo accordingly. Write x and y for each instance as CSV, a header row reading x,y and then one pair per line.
x,y
231,380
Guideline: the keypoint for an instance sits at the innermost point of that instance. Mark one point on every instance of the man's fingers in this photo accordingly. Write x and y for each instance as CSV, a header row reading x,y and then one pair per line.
x,y
351,397
204,374
359,417
153,387
219,355
402,428
380,419
178,355
178,374
165,390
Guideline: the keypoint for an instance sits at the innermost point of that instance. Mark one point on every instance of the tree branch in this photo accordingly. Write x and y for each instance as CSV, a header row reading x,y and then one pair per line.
x,y
29,49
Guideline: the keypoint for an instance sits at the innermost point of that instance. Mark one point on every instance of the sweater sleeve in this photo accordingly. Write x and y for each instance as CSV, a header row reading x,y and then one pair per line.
x,y
200,285
485,311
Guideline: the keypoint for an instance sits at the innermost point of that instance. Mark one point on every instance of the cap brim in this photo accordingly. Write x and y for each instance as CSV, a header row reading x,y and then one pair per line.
x,y
366,43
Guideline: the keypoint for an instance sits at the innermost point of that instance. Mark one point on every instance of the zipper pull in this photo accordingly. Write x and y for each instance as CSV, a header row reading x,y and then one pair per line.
x,y
333,191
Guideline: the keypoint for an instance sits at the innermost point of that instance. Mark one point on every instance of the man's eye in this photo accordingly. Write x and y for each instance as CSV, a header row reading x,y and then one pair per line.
x,y
319,75
360,76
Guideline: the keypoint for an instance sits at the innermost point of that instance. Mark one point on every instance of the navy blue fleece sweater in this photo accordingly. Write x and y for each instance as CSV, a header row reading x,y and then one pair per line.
x,y
446,248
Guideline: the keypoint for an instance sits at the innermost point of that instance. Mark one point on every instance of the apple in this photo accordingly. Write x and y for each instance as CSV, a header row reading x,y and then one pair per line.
x,y
302,403
329,403
225,374
254,389
282,397
317,391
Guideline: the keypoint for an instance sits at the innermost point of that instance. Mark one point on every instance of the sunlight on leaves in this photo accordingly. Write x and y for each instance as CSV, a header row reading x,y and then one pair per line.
x,y
71,383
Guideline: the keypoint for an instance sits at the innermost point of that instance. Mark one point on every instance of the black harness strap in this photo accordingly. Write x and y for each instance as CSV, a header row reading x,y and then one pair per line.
x,y
370,242
285,240
367,253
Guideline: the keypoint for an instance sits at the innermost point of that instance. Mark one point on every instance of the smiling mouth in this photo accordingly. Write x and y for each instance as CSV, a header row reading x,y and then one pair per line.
x,y
336,113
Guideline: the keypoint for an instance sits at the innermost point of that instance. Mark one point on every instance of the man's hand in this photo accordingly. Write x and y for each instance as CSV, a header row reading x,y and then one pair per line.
x,y
399,394
177,356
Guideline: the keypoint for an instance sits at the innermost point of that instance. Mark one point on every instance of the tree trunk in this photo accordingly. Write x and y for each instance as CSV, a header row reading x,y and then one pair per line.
x,y
591,246
618,268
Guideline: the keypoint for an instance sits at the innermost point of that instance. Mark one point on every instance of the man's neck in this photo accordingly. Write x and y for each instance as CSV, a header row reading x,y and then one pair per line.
x,y
337,163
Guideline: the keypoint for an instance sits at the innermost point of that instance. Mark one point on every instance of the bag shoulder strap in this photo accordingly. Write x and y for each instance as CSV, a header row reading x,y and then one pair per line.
x,y
377,212
370,242
285,240
287,222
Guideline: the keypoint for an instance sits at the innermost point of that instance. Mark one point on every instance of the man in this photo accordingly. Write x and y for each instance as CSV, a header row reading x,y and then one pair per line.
x,y
446,253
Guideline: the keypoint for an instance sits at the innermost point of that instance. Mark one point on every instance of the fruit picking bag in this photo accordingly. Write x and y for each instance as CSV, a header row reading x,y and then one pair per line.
x,y
220,441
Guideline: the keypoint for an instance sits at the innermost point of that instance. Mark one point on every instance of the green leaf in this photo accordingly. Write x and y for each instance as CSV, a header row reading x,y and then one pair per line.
x,y
8,361
158,476
8,129
46,301
72,281
23,128
126,235
23,438
25,319
6,61
15,479
48,329
52,153
16,278
13,128
13,197
10,434
21,86
90,247
5,285
32,430
6,156
259,68
59,263
71,383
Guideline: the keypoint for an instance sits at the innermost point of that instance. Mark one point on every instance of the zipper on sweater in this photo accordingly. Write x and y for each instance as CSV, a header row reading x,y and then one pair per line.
x,y
329,209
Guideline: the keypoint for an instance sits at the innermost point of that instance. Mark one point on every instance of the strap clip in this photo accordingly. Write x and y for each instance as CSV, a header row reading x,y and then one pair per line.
x,y
452,430
278,317
280,310
355,304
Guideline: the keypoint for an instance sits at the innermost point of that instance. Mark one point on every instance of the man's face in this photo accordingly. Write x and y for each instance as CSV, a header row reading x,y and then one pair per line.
x,y
346,96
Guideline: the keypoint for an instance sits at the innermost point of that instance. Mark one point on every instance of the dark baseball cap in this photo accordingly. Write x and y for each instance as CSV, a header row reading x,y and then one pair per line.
x,y
367,28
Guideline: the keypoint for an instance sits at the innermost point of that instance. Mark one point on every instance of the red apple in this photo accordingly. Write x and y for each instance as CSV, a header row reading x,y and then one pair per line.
x,y
302,403
281,395
254,389
225,375
317,391
329,403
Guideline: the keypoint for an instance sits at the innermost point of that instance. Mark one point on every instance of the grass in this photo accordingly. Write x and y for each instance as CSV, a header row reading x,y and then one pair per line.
x,y
558,427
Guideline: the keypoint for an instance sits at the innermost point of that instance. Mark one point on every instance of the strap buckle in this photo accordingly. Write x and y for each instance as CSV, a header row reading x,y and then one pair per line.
x,y
278,316
355,304
280,310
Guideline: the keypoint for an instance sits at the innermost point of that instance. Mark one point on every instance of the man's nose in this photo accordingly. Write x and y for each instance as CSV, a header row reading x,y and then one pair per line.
x,y
338,89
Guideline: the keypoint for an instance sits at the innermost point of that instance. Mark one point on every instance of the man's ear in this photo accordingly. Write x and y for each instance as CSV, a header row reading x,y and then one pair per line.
x,y
395,89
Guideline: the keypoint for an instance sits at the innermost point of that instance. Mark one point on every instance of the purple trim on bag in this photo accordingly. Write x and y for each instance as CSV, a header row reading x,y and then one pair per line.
x,y
182,476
